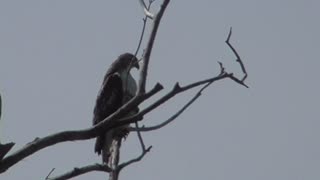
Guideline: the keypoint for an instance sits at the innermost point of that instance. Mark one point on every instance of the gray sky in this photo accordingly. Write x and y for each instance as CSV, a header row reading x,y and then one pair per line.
x,y
54,53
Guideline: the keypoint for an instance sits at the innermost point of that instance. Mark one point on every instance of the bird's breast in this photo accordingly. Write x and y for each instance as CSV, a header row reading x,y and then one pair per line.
x,y
129,86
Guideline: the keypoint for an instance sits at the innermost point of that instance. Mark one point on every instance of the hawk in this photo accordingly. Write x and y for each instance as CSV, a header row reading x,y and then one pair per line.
x,y
118,88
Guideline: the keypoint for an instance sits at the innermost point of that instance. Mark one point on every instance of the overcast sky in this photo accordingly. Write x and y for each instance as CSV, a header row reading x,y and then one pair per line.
x,y
54,53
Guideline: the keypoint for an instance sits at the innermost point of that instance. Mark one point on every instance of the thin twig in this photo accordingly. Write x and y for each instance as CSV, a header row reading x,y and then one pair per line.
x,y
172,118
145,9
123,165
145,19
143,147
47,178
238,57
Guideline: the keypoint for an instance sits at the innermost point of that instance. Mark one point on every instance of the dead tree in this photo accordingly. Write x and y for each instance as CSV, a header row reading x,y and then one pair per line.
x,y
114,120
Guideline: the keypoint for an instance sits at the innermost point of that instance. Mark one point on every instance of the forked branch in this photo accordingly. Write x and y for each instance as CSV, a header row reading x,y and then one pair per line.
x,y
207,82
145,9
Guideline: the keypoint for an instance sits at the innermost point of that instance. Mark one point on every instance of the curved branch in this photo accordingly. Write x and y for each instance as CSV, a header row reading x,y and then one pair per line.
x,y
238,56
144,152
172,118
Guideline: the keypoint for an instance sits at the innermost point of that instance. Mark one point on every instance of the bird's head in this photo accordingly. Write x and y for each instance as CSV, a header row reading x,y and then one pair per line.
x,y
125,62
128,61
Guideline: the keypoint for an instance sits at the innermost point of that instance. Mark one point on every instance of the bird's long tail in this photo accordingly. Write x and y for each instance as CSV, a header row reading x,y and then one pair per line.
x,y
111,149
114,158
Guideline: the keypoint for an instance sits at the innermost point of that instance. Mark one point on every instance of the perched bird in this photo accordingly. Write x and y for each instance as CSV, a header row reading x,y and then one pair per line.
x,y
118,88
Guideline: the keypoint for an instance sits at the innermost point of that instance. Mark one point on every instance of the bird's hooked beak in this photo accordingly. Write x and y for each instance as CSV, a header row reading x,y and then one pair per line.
x,y
136,64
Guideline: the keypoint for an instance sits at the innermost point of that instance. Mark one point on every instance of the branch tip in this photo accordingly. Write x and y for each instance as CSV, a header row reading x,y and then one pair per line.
x,y
159,86
177,86
229,35
238,59
146,9
148,149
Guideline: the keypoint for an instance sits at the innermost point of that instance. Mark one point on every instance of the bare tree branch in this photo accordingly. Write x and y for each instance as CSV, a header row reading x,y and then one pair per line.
x,y
146,57
175,90
101,167
145,19
145,9
82,170
143,146
237,55
223,74
144,152
172,118
47,178
96,167
105,125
